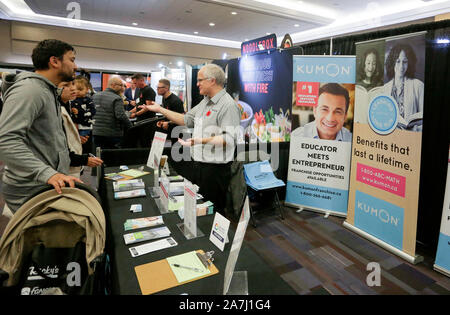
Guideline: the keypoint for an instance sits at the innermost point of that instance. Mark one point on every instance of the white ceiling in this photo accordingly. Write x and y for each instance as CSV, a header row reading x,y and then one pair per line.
x,y
178,19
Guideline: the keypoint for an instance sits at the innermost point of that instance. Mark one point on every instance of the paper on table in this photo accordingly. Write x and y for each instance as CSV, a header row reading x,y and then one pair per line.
x,y
175,205
133,173
189,259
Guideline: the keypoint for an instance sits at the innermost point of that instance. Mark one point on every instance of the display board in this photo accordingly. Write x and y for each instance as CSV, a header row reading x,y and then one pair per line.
x,y
264,95
387,140
442,262
320,149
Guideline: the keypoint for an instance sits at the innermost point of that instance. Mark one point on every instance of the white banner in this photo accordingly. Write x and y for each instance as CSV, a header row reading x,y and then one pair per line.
x,y
320,149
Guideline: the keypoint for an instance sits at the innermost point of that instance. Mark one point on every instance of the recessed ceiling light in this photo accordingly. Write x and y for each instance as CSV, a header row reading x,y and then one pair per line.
x,y
180,63
211,24
195,32
233,13
267,33
134,23
296,25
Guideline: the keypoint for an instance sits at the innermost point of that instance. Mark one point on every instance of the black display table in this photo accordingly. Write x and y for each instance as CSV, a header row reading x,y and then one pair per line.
x,y
262,280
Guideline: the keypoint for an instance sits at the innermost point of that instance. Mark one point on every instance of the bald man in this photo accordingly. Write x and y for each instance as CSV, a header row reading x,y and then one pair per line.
x,y
110,116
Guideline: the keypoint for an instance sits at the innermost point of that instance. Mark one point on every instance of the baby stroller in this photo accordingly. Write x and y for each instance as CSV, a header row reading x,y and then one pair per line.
x,y
54,244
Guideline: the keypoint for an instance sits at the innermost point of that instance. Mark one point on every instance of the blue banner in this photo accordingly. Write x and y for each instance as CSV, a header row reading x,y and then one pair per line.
x,y
379,218
322,121
442,261
319,69
317,196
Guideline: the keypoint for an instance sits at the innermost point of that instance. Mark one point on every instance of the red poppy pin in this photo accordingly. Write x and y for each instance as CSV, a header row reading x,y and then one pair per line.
x,y
208,113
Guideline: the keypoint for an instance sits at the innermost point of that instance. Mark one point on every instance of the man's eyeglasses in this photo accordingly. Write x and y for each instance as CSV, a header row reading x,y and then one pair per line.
x,y
200,80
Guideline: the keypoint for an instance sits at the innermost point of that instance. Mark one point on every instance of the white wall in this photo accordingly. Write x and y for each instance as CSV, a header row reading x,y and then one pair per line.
x,y
104,51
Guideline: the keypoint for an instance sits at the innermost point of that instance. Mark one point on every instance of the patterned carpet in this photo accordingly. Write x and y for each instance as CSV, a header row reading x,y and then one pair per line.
x,y
319,256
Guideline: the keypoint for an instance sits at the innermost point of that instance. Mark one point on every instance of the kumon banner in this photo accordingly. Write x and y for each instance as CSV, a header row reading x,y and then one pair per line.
x,y
442,262
387,140
320,149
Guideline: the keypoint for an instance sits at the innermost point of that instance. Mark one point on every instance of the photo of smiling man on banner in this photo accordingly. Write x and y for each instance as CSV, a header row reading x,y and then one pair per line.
x,y
321,140
330,115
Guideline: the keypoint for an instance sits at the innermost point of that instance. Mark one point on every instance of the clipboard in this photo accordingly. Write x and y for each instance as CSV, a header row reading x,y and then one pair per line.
x,y
158,276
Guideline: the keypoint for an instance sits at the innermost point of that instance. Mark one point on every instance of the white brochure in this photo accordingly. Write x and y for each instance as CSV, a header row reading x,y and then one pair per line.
x,y
146,235
152,246
219,231
156,149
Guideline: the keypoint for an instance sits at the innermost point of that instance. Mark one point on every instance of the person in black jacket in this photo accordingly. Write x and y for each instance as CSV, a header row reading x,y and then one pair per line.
x,y
110,120
146,96
171,102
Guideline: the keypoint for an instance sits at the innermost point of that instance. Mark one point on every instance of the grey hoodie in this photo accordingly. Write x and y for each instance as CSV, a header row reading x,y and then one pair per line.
x,y
33,145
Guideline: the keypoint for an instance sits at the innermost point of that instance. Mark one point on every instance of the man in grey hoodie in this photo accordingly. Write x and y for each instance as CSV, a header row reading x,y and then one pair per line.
x,y
32,141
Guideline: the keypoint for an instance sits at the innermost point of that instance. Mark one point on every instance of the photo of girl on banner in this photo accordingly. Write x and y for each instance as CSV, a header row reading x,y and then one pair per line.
x,y
370,66
369,76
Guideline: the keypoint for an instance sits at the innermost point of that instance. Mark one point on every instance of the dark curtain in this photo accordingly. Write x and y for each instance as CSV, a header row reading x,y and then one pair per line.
x,y
436,130
196,97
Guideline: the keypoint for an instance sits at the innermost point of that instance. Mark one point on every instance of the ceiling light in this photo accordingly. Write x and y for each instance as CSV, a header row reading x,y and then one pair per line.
x,y
443,41
180,63
233,13
196,33
211,24
267,33
134,23
296,25
19,11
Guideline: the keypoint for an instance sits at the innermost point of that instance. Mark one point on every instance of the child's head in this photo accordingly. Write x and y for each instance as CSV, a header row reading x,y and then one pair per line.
x,y
82,86
69,92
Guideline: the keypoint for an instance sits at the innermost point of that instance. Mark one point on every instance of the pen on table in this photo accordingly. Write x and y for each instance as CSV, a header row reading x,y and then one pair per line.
x,y
186,267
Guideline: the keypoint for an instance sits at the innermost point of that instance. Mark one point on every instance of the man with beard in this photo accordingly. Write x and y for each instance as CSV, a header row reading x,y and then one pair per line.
x,y
32,141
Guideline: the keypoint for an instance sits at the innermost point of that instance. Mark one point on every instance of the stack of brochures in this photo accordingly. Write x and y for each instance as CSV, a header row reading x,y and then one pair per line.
x,y
259,176
132,224
126,175
129,189
146,235
202,209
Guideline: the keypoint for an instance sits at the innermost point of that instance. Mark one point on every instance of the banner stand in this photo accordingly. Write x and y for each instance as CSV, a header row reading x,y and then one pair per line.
x,y
441,270
325,212
411,259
